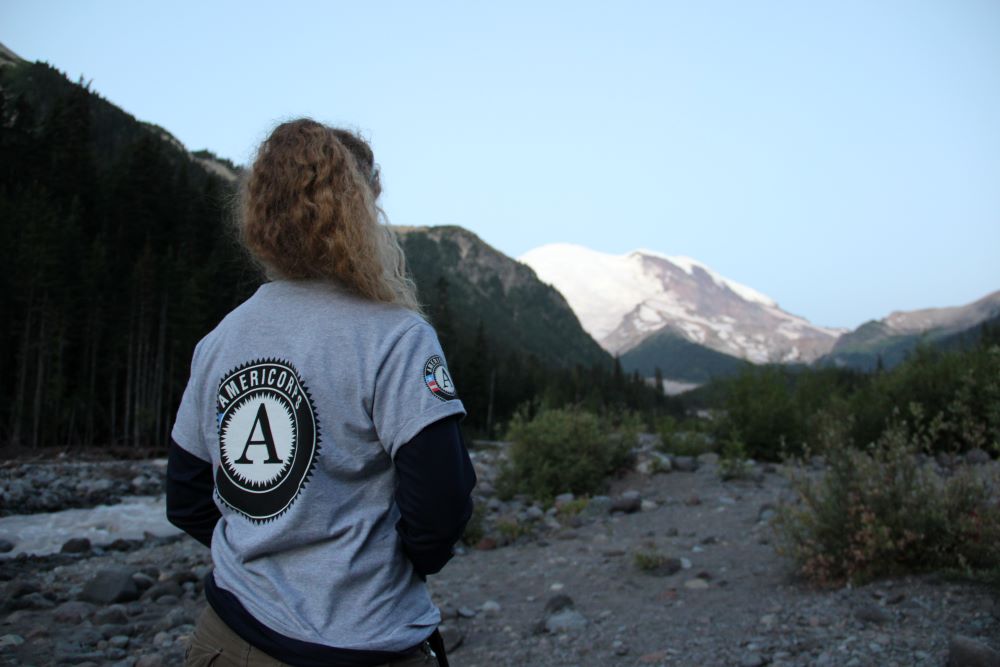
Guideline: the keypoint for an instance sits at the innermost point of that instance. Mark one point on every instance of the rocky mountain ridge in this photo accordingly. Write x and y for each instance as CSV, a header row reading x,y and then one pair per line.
x,y
888,340
623,300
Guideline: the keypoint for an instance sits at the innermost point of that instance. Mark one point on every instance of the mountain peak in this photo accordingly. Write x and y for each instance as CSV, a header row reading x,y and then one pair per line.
x,y
623,299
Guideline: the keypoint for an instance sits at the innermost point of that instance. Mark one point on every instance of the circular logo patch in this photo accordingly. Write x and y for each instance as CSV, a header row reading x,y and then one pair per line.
x,y
267,438
438,380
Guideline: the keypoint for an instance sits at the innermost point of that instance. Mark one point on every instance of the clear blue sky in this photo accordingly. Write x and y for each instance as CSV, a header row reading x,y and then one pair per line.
x,y
842,157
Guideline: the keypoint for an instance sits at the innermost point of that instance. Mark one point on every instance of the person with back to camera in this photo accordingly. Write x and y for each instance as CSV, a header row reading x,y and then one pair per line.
x,y
317,449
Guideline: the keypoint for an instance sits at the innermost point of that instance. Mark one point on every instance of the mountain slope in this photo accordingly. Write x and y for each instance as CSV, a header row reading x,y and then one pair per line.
x,y
622,300
679,359
893,337
516,309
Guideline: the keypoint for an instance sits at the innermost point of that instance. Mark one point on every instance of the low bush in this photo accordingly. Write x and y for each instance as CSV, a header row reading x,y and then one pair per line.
x,y
561,450
649,561
683,438
733,463
475,529
572,508
884,511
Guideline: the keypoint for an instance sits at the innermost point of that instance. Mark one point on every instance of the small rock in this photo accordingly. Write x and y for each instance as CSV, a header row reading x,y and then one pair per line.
x,y
35,601
486,544
654,658
490,607
465,612
871,613
666,567
113,584
696,584
119,641
558,603
6,546
708,458
977,457
629,502
766,513
452,634
564,498
648,505
693,500
21,588
174,618
598,506
565,620
619,647
113,615
76,545
73,611
752,660
895,598
11,640
534,513
143,581
968,652
160,589
684,463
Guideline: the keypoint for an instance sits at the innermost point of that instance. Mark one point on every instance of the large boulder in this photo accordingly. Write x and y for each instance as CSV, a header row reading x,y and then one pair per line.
x,y
112,584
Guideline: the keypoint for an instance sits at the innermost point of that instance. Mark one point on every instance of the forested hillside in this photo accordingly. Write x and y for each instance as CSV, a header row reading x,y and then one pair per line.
x,y
119,264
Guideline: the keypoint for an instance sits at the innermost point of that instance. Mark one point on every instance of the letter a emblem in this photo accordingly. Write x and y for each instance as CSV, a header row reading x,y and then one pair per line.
x,y
262,424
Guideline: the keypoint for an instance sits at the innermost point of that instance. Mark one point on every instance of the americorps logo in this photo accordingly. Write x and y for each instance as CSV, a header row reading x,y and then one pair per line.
x,y
438,380
268,438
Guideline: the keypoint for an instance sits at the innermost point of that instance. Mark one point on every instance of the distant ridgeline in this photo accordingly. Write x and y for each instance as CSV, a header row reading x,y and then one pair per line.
x,y
121,262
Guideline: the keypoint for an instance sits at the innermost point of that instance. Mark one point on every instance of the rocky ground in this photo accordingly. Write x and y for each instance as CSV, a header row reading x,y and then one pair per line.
x,y
672,567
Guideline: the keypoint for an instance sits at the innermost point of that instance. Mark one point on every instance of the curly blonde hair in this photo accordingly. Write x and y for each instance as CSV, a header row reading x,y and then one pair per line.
x,y
307,210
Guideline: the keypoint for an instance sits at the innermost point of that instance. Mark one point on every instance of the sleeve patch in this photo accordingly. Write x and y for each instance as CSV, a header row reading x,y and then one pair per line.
x,y
438,380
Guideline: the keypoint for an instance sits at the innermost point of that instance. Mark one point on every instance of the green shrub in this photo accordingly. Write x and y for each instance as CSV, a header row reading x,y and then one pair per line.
x,y
474,530
683,439
649,561
559,451
624,428
733,462
510,529
880,512
572,508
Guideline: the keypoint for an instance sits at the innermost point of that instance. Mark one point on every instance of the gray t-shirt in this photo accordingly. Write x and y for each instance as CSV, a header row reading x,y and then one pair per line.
x,y
300,399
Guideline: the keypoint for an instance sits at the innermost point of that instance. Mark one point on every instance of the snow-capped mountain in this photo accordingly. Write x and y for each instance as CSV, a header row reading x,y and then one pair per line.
x,y
623,299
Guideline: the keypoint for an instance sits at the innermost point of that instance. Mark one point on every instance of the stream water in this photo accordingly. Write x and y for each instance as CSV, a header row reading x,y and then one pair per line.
x,y
43,534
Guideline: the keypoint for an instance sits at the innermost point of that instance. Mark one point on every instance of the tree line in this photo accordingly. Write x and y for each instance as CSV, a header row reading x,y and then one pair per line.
x,y
121,260
120,263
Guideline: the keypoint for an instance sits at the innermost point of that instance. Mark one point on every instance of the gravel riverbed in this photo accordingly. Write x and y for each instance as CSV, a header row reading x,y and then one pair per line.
x,y
544,587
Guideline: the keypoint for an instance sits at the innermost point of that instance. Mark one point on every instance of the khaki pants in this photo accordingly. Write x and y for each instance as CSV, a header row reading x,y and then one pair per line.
x,y
215,645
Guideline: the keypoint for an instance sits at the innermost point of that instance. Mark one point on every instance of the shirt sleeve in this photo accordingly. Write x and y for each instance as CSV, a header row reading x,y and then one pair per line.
x,y
413,388
188,432
434,494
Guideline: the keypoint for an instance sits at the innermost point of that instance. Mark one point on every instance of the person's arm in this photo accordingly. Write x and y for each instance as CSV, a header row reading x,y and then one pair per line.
x,y
190,506
435,481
